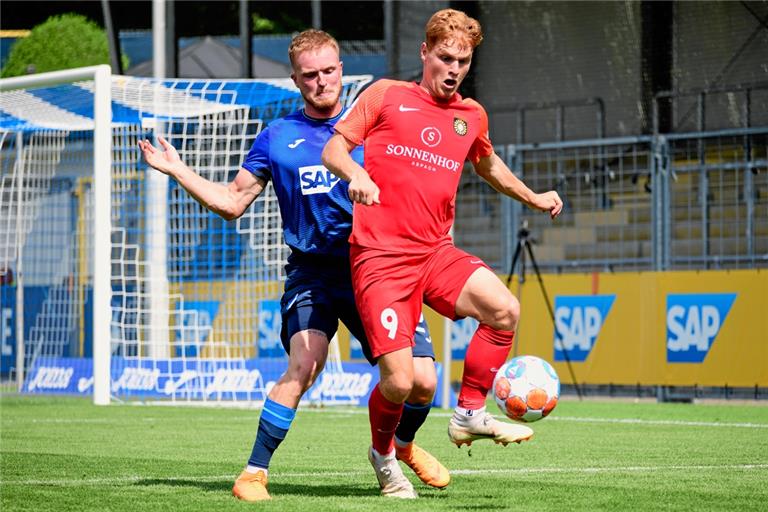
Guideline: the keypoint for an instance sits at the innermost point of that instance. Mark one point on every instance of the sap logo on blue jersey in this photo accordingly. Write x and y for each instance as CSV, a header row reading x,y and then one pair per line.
x,y
316,179
693,321
578,320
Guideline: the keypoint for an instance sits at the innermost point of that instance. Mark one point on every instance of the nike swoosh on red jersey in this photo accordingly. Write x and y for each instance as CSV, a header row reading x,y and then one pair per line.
x,y
403,108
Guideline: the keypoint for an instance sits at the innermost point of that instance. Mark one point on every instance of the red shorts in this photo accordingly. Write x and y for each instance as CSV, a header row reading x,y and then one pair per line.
x,y
390,288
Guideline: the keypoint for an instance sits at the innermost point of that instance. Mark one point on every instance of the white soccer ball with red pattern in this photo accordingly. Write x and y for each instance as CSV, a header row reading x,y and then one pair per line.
x,y
526,388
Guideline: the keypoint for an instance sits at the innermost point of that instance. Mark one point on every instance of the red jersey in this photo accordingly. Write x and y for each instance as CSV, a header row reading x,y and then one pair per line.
x,y
415,148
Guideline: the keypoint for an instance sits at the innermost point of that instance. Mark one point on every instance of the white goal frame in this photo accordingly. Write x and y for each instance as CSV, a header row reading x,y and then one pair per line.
x,y
79,209
102,183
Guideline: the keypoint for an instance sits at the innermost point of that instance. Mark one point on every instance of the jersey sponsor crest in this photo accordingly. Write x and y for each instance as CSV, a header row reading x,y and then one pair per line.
x,y
459,126
316,179
431,136
693,322
578,320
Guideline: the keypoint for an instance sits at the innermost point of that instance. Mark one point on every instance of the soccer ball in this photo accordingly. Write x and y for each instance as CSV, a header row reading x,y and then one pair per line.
x,y
526,388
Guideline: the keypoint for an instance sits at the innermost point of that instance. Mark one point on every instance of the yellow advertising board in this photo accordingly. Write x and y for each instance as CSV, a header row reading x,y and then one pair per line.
x,y
705,328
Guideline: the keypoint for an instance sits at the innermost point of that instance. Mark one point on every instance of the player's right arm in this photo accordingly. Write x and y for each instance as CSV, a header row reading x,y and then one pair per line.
x,y
228,201
336,158
351,132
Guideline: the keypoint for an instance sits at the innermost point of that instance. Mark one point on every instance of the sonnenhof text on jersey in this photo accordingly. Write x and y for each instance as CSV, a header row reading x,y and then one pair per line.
x,y
423,155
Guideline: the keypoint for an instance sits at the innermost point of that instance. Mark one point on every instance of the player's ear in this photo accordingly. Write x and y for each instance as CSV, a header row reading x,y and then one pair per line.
x,y
423,52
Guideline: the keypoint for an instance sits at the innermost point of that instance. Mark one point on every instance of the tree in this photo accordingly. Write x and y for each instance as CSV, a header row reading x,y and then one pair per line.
x,y
60,42
285,24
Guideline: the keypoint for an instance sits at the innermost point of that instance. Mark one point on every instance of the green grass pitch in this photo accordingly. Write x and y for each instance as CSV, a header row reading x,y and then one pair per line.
x,y
61,453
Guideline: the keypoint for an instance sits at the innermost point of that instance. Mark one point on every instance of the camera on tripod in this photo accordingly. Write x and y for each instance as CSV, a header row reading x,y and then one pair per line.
x,y
524,246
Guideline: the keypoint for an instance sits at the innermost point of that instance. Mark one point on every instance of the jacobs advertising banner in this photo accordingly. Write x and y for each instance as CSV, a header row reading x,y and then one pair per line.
x,y
213,379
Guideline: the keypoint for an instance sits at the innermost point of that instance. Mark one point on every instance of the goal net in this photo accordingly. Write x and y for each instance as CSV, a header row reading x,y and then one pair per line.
x,y
193,312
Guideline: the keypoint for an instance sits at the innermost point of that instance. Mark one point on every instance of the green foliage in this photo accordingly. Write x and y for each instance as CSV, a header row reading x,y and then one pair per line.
x,y
263,25
286,24
66,454
61,42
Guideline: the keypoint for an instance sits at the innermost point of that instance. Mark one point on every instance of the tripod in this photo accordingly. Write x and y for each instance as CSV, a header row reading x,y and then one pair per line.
x,y
524,245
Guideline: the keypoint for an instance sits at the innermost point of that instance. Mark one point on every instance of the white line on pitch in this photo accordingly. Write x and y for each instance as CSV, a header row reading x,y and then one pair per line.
x,y
658,422
627,469
135,479
585,420
435,414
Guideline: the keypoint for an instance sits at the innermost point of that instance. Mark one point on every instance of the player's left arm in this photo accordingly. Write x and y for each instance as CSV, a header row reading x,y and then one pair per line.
x,y
494,171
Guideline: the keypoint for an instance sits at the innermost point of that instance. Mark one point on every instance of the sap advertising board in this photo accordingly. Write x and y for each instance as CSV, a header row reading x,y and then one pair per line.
x,y
578,320
693,321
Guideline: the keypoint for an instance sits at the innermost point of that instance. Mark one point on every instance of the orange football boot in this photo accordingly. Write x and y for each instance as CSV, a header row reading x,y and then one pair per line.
x,y
424,464
251,486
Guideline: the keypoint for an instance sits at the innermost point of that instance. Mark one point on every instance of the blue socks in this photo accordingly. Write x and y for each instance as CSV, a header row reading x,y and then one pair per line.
x,y
275,421
412,419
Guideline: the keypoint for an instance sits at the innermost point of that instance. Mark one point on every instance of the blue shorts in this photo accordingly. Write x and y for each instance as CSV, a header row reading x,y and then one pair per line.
x,y
318,293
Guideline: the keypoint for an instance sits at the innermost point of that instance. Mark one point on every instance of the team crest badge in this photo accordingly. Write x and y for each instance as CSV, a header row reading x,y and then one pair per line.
x,y
459,126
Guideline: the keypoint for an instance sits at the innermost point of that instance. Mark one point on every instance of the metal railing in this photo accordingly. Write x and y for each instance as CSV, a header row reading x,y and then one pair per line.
x,y
733,103
676,201
560,109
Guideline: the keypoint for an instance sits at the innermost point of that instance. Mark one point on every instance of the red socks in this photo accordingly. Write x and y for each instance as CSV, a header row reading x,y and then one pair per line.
x,y
384,417
487,351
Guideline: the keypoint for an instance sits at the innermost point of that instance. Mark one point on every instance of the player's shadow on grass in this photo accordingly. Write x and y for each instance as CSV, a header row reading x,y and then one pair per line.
x,y
276,489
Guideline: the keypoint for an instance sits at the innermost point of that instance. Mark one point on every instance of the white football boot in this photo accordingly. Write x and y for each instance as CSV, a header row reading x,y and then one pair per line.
x,y
392,481
465,429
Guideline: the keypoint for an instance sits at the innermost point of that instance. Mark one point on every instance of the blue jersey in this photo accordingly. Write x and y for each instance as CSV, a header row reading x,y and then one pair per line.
x,y
314,204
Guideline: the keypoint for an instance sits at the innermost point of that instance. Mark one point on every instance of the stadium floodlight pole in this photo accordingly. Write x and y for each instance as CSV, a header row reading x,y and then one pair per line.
x,y
102,214
158,38
317,15
524,244
157,207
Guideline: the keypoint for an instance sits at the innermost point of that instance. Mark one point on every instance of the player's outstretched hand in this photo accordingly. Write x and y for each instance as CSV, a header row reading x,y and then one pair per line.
x,y
363,190
548,202
164,161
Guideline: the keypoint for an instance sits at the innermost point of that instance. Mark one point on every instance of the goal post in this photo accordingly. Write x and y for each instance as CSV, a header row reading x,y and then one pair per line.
x,y
127,301
102,179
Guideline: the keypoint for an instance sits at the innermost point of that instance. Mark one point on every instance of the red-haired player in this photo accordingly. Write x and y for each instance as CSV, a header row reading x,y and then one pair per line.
x,y
416,139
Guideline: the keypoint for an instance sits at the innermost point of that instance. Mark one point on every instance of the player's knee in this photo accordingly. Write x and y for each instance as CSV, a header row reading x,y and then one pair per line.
x,y
507,315
423,389
397,387
304,371
424,380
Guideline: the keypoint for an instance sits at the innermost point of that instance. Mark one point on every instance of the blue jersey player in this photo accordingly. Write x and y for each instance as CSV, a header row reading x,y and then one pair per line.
x,y
317,214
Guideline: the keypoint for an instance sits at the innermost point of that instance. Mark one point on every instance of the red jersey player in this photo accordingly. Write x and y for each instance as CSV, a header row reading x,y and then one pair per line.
x,y
417,137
